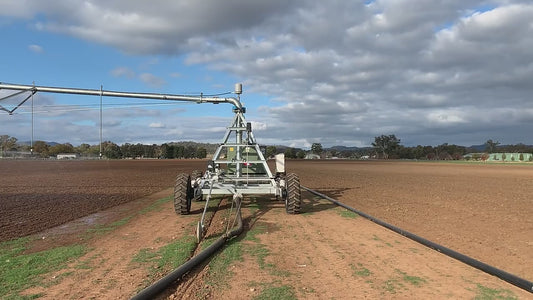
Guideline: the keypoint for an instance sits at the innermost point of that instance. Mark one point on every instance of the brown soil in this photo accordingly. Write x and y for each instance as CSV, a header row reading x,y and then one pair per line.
x,y
36,195
480,210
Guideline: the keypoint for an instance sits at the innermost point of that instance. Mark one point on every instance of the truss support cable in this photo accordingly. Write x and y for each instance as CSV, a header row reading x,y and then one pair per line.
x,y
22,102
503,275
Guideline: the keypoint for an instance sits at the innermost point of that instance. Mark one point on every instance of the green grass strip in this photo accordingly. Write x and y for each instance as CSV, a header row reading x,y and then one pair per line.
x,y
284,292
485,293
169,256
348,214
20,271
219,272
156,206
102,229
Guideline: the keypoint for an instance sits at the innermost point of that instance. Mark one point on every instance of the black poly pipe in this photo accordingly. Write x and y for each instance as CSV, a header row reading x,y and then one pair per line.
x,y
510,278
160,285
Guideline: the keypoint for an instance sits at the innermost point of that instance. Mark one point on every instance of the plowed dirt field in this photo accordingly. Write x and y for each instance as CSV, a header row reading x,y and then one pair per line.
x,y
481,210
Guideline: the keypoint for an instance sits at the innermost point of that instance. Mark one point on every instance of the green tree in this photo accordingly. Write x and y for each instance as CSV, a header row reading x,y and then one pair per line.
x,y
179,151
7,143
111,150
94,150
290,153
41,147
271,151
83,148
490,146
333,153
504,156
137,150
316,148
188,152
61,148
126,150
150,150
201,152
167,151
386,145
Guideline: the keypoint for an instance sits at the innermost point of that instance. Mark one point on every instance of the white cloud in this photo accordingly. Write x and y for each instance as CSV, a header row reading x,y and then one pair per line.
x,y
259,126
157,125
152,80
337,70
123,72
36,49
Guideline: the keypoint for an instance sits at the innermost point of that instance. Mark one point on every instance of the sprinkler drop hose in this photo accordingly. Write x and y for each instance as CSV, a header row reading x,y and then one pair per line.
x,y
510,278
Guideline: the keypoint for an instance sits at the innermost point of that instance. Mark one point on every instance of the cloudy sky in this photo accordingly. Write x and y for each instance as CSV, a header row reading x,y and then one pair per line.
x,y
334,72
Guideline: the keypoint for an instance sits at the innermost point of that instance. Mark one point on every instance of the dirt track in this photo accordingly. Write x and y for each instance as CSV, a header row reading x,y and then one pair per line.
x,y
481,210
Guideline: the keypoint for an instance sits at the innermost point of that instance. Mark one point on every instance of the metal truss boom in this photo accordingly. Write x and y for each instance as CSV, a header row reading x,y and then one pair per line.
x,y
170,97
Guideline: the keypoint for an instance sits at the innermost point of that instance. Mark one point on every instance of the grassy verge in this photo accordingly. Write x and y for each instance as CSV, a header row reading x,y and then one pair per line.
x,y
485,293
284,292
20,271
398,281
156,206
102,229
247,245
347,213
165,258
360,270
219,267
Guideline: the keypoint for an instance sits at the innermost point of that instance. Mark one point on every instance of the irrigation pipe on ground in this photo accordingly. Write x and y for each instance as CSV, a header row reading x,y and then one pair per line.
x,y
163,283
510,278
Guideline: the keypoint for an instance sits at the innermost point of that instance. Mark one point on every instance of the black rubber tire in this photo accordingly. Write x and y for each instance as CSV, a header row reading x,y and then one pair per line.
x,y
182,194
194,175
293,200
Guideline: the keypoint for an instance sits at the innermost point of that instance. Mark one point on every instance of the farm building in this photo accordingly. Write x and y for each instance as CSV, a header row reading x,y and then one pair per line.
x,y
510,157
67,156
503,157
312,156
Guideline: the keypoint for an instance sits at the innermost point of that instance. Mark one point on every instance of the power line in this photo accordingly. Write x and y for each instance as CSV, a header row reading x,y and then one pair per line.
x,y
57,108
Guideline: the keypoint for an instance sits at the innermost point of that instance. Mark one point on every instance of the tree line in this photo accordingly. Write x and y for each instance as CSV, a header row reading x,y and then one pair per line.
x,y
388,146
112,150
108,149
383,147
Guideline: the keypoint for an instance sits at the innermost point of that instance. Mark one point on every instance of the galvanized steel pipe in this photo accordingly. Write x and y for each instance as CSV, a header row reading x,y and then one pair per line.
x,y
61,90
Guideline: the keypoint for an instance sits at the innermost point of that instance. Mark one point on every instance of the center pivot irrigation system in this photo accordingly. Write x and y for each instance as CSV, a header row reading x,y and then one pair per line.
x,y
238,167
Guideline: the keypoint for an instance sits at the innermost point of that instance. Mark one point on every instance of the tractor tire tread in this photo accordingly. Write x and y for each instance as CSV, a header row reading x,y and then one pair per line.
x,y
294,200
181,194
